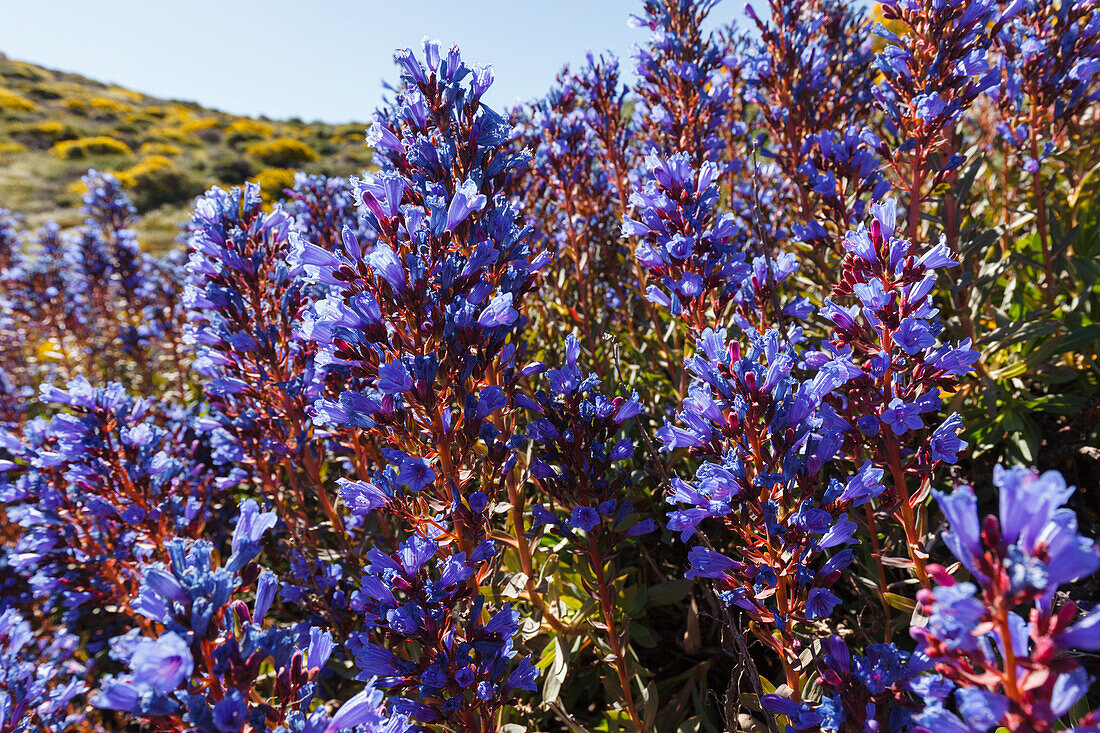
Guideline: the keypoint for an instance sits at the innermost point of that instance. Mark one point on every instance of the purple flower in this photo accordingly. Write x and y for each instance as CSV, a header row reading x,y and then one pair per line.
x,y
964,536
385,263
981,709
945,445
499,312
913,335
365,708
902,416
251,525
230,712
865,485
584,518
466,200
820,603
1085,634
929,107
709,564
416,473
266,586
394,378
523,677
162,664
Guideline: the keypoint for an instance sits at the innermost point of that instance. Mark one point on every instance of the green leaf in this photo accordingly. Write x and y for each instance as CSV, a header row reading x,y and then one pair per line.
x,y
900,602
668,592
641,634
555,675
633,601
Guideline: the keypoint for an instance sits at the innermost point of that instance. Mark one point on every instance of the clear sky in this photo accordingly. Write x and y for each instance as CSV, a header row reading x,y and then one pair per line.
x,y
314,59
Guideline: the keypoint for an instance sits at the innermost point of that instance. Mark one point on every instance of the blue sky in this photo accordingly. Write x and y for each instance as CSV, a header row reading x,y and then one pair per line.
x,y
314,59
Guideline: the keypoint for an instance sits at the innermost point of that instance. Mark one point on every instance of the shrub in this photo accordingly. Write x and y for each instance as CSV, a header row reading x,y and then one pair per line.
x,y
23,70
156,180
44,133
105,108
86,146
173,134
14,102
233,169
130,94
206,123
207,129
12,147
273,181
158,148
243,131
282,152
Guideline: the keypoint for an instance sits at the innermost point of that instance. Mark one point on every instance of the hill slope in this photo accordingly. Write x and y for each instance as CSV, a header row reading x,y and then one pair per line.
x,y
55,125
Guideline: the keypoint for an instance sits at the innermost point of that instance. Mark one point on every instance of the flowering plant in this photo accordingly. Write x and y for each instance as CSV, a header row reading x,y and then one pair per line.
x,y
664,403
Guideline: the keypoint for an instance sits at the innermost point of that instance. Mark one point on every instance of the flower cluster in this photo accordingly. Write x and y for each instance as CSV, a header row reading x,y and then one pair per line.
x,y
931,74
215,665
999,637
685,88
577,453
244,309
425,324
423,320
465,670
41,680
763,438
811,77
695,256
888,340
97,490
575,188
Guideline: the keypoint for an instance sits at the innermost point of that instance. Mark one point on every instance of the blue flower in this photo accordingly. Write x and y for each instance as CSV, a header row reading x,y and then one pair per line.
x,y
466,200
902,416
162,664
820,603
584,518
393,378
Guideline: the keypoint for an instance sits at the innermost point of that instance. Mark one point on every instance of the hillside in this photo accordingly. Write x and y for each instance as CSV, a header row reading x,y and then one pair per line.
x,y
55,125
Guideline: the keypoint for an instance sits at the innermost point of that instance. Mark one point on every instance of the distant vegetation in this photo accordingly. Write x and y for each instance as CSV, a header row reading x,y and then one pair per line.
x,y
54,126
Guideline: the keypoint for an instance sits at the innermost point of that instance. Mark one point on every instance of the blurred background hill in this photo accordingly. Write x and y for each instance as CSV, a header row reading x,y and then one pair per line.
x,y
55,125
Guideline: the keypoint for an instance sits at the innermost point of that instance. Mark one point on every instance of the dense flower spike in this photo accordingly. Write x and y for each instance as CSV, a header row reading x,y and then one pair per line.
x,y
244,306
1048,57
763,438
424,321
811,77
684,87
888,341
930,76
576,186
878,690
695,255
